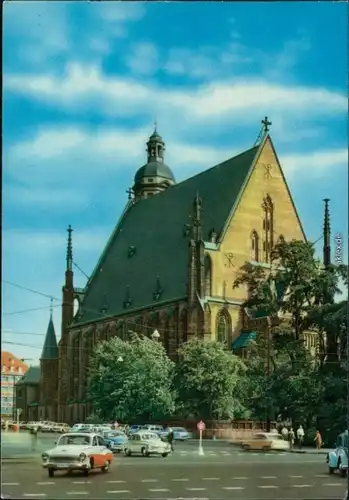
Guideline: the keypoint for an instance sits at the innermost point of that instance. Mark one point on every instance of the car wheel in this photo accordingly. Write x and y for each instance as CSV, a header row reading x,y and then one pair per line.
x,y
127,452
331,470
51,473
266,448
245,447
164,455
105,467
145,452
86,472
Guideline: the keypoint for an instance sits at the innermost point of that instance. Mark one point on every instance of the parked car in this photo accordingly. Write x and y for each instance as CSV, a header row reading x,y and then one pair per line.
x,y
265,441
61,428
146,443
152,428
133,428
116,440
337,459
47,427
78,451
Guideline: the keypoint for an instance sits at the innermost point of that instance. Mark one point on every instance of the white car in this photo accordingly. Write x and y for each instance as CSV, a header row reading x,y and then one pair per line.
x,y
78,451
61,428
146,443
48,427
265,441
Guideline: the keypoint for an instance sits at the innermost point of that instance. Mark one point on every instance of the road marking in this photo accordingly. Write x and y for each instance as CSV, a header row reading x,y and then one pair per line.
x,y
149,480
180,479
296,477
10,484
212,453
118,491
45,482
34,495
233,488
239,477
158,490
83,482
332,484
321,475
267,486
116,482
78,493
254,454
210,478
196,489
301,485
268,477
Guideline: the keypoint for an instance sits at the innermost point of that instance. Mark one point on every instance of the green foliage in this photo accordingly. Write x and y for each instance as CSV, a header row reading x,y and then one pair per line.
x,y
208,380
130,380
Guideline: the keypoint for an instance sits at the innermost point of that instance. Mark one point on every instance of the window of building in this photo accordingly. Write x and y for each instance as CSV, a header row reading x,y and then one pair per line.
x,y
12,369
223,328
208,276
268,227
255,246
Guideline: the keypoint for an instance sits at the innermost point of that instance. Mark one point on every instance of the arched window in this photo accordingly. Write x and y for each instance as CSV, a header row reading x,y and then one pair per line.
x,y
223,327
184,326
255,246
208,275
268,227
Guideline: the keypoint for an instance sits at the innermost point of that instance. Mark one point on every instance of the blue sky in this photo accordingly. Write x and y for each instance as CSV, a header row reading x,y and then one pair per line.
x,y
83,83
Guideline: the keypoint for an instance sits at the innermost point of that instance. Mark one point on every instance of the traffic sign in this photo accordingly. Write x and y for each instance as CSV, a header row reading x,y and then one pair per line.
x,y
201,426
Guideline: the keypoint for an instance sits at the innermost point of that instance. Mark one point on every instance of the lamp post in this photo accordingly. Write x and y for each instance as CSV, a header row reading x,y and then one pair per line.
x,y
155,335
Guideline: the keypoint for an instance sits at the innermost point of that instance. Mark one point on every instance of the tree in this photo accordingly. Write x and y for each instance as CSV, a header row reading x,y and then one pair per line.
x,y
131,380
208,380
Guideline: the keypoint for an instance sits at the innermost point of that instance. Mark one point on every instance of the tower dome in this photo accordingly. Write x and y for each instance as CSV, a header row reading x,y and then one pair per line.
x,y
155,176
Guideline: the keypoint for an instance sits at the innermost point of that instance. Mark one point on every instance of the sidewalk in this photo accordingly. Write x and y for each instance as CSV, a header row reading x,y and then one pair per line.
x,y
305,449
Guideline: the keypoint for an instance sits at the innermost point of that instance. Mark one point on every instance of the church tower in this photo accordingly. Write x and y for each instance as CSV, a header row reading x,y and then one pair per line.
x,y
67,318
155,176
49,375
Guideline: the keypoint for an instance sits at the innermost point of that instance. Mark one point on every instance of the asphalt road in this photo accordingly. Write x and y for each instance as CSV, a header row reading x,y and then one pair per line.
x,y
218,474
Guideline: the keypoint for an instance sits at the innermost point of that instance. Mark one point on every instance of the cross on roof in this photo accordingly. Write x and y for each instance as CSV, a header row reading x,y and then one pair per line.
x,y
266,124
129,192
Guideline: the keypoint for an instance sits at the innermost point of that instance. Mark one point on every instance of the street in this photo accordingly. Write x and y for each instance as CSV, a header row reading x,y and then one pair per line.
x,y
222,472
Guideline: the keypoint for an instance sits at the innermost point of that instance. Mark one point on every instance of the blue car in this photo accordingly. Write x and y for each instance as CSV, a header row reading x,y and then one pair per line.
x,y
337,459
115,440
179,434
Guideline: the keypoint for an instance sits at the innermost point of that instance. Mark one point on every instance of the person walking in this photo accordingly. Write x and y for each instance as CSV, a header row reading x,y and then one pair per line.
x,y
291,438
284,433
170,437
34,435
318,440
300,436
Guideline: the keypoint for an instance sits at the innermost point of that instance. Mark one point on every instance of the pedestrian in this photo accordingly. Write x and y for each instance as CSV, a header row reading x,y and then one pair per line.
x,y
34,435
318,440
284,433
170,437
300,436
291,438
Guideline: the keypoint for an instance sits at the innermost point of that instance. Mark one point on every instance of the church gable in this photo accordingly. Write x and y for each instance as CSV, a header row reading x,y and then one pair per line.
x,y
265,212
146,260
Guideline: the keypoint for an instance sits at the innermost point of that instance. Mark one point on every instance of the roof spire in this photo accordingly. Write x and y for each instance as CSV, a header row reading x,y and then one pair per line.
x,y
69,250
327,235
155,126
50,349
51,307
266,124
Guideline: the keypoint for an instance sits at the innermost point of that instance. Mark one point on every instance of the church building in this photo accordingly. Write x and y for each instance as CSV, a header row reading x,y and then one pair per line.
x,y
170,264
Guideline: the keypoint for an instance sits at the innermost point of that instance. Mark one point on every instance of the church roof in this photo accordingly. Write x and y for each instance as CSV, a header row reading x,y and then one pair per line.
x,y
50,349
31,377
148,249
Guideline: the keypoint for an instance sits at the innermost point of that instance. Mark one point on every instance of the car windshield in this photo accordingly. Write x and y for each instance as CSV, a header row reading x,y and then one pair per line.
x,y
179,429
78,439
150,436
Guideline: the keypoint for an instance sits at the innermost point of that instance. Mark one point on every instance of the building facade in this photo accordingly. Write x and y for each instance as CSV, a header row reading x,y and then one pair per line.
x,y
12,370
28,395
170,264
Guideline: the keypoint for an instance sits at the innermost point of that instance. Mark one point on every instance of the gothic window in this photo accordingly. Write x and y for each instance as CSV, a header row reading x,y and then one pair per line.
x,y
223,327
255,246
184,326
268,227
281,239
208,276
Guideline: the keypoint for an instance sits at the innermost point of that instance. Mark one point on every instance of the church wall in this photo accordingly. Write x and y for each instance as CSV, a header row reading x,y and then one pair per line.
x,y
236,247
234,316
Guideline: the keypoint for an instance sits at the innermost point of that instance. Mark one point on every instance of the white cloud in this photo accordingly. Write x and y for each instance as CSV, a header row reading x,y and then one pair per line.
x,y
121,11
144,59
315,164
85,87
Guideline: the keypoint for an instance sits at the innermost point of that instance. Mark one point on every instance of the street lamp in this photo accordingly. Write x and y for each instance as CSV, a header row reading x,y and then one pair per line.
x,y
155,335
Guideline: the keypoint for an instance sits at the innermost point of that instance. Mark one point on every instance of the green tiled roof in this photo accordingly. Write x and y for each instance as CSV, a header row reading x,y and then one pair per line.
x,y
31,377
243,340
154,229
50,349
